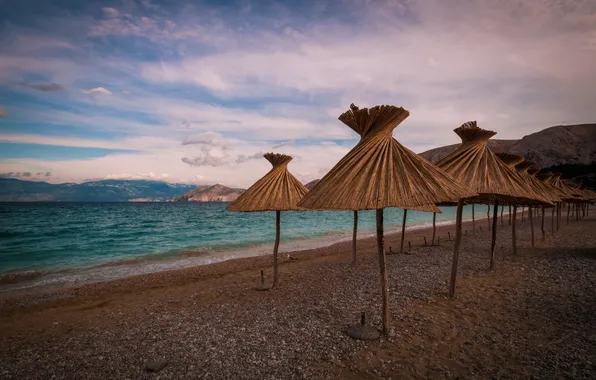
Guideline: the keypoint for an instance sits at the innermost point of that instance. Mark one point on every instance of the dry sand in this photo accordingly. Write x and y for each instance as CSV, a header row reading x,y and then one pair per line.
x,y
532,317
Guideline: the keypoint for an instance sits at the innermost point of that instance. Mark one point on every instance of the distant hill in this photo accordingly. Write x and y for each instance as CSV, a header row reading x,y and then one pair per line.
x,y
311,184
14,190
564,144
210,193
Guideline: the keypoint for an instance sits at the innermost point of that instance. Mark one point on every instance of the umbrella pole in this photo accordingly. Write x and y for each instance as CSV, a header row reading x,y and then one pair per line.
x,y
434,228
542,225
509,222
488,216
559,215
513,237
473,220
531,223
403,231
384,290
275,249
522,213
460,206
354,236
552,219
577,212
494,238
568,211
502,209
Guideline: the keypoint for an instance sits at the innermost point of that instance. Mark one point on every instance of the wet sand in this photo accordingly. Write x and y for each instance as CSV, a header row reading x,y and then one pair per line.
x,y
534,316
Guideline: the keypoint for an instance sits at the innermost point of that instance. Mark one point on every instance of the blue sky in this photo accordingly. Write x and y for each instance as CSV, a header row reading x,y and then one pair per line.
x,y
195,91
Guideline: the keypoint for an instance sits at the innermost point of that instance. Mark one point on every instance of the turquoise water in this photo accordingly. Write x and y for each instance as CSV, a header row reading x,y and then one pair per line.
x,y
44,243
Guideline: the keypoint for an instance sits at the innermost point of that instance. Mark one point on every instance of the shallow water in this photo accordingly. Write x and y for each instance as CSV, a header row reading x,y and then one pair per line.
x,y
54,243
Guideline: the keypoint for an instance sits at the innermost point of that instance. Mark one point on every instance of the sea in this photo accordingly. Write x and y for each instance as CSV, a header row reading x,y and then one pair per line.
x,y
65,244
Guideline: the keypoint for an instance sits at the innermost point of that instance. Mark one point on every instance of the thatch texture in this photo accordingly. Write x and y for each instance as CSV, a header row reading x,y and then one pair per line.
x,y
536,186
570,194
278,190
380,172
475,165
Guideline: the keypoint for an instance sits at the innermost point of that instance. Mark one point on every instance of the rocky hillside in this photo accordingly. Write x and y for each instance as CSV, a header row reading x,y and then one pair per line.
x,y
311,184
210,193
564,144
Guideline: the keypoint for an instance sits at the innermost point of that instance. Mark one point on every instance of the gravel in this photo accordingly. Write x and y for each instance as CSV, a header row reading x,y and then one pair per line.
x,y
218,327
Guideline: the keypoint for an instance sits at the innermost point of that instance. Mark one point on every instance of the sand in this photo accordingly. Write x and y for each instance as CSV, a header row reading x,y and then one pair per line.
x,y
534,316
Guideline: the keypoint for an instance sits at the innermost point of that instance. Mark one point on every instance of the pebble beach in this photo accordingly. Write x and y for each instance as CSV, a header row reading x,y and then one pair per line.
x,y
534,316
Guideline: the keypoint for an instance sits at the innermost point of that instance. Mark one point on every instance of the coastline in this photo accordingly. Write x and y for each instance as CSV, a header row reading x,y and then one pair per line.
x,y
366,245
39,281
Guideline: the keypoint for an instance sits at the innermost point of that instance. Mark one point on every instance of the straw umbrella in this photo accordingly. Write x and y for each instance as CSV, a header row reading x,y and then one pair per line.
x,y
522,169
379,172
545,179
549,191
277,191
475,165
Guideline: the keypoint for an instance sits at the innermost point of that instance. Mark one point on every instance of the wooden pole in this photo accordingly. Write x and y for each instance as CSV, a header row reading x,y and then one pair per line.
x,y
513,237
559,205
403,231
542,226
509,223
488,216
275,249
460,206
568,211
473,220
502,209
354,237
434,228
384,289
522,213
552,219
531,223
577,212
494,237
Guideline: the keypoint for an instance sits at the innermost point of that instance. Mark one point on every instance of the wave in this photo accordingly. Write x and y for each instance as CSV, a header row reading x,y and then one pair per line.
x,y
16,277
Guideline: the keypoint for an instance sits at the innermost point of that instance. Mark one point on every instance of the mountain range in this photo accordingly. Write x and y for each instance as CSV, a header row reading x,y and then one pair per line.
x,y
14,190
210,193
563,144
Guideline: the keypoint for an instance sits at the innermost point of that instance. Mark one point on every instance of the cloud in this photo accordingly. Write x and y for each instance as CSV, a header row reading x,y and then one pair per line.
x,y
516,67
242,158
2,113
98,91
26,175
110,12
285,143
126,92
47,87
205,159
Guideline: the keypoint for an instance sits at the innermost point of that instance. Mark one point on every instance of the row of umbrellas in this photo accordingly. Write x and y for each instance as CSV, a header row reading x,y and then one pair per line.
x,y
380,172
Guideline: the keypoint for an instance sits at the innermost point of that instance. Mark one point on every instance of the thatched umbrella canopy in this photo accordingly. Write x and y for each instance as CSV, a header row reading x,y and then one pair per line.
x,y
379,172
475,165
277,191
522,168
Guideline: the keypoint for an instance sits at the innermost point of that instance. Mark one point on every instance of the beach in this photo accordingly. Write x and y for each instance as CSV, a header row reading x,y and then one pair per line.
x,y
534,316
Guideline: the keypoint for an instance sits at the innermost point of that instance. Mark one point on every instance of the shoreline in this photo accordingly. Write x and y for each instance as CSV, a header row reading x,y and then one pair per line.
x,y
414,236
37,279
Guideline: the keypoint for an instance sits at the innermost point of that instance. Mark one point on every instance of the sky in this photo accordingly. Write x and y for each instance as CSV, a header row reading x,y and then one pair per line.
x,y
197,91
